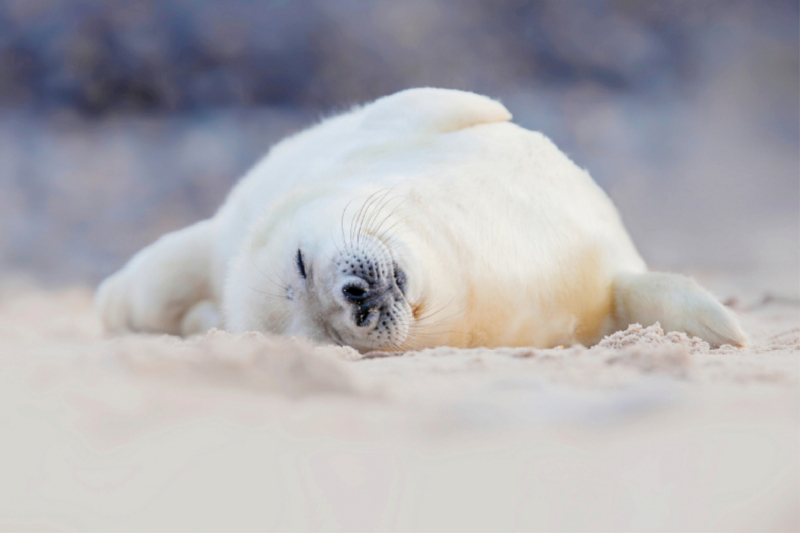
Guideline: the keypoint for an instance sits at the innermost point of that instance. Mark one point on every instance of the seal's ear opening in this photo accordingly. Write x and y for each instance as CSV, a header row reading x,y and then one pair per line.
x,y
678,303
429,110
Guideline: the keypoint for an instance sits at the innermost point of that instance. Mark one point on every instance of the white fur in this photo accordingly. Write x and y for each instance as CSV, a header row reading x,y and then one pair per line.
x,y
505,241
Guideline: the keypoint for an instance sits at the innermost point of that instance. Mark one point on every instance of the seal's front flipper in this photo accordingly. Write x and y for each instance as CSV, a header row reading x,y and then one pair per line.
x,y
678,303
200,318
157,287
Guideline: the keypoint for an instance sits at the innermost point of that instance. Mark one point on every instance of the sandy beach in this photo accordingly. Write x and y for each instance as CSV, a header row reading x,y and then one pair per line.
x,y
123,121
645,431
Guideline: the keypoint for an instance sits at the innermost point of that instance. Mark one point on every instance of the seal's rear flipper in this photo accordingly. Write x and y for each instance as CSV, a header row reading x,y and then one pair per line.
x,y
430,110
678,303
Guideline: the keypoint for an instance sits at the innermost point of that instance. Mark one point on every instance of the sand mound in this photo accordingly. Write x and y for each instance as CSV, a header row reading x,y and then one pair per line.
x,y
651,337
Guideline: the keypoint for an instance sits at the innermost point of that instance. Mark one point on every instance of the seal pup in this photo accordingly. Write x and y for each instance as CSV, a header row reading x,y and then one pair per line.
x,y
425,218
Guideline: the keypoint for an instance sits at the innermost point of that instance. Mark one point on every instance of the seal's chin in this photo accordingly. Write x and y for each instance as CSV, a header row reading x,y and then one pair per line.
x,y
367,290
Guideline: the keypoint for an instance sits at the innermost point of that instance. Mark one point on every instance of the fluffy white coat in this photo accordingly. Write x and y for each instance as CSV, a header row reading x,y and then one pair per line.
x,y
480,232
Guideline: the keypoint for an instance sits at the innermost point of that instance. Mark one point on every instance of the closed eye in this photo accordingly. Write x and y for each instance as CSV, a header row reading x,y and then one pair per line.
x,y
301,267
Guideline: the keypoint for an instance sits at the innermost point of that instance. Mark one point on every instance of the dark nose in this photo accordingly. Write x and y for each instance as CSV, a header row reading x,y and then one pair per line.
x,y
365,302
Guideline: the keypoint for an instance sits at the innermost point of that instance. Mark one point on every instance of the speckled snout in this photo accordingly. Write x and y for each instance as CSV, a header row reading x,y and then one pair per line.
x,y
371,286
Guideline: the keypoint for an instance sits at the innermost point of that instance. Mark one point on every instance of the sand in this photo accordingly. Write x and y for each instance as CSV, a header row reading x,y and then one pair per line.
x,y
646,431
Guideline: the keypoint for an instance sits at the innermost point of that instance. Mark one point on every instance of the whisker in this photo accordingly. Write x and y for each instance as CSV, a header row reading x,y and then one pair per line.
x,y
382,203
281,288
333,240
376,230
344,213
431,313
392,238
266,293
362,213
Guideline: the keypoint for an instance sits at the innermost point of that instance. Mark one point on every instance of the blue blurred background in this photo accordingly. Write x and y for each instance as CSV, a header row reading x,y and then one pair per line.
x,y
120,120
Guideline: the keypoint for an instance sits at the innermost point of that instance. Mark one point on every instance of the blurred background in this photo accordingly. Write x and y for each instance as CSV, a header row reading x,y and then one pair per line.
x,y
121,120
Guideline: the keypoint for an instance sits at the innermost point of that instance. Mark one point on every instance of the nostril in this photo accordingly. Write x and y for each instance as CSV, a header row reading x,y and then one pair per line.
x,y
354,293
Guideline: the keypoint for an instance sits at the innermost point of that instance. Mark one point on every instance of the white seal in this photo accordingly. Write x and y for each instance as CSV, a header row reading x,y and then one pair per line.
x,y
424,218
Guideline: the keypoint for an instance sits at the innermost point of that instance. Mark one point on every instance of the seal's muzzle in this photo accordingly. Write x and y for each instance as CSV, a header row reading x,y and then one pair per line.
x,y
369,288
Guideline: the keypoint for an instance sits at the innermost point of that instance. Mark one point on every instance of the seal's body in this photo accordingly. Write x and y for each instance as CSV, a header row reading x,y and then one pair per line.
x,y
425,218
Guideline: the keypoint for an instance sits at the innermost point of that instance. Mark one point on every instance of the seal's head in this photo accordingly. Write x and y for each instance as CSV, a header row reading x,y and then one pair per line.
x,y
356,297
317,278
